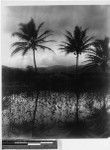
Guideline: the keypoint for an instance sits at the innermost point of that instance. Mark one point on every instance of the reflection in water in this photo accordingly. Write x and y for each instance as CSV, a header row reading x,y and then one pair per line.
x,y
55,114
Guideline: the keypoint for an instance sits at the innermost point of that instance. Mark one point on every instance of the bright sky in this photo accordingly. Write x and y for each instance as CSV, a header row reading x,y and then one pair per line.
x,y
57,18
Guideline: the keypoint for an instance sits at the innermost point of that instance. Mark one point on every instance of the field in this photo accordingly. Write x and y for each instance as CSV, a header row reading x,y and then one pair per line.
x,y
55,115
51,105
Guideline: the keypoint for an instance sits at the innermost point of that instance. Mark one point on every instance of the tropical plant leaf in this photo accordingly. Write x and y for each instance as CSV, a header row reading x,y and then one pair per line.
x,y
21,36
76,43
19,44
30,37
18,49
45,47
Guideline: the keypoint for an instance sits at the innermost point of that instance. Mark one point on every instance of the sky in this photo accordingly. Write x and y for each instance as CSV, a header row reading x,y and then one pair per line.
x,y
58,19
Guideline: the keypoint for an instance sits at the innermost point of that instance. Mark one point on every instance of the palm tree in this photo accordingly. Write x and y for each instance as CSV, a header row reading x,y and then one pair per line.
x,y
30,38
76,43
99,55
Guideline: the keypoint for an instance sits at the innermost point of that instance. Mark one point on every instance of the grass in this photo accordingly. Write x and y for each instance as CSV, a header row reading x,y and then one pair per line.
x,y
56,105
55,116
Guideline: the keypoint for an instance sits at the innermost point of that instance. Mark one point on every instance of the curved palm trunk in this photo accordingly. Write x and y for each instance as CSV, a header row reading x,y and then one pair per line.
x,y
76,91
34,59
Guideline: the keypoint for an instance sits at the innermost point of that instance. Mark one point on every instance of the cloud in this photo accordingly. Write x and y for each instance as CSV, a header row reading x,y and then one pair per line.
x,y
57,60
58,18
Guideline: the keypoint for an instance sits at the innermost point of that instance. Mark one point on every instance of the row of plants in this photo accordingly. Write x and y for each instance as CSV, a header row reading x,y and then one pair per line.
x,y
76,42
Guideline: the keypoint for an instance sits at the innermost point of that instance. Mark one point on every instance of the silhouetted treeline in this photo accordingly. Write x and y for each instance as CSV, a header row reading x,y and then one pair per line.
x,y
57,79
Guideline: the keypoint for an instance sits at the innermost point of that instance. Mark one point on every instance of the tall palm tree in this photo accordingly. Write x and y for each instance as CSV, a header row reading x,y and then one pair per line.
x,y
77,42
30,38
99,55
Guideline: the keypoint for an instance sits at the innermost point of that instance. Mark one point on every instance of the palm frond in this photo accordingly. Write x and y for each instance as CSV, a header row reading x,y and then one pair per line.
x,y
44,47
86,46
100,54
25,50
28,28
22,48
21,36
45,34
69,39
69,34
42,39
78,42
89,49
18,49
45,41
39,27
87,40
65,43
84,32
87,61
19,44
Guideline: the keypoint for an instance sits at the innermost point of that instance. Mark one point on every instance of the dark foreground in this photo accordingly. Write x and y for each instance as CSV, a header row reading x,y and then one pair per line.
x,y
56,93
55,116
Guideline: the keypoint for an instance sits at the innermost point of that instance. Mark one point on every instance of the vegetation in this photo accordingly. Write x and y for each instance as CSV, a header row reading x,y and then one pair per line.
x,y
55,113
99,55
31,39
77,43
58,101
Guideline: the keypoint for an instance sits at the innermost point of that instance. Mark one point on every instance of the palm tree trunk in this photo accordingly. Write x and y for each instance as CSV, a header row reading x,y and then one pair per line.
x,y
77,59
34,113
76,91
34,59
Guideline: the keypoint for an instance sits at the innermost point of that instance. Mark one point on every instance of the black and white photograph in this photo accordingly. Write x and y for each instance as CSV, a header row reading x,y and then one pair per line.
x,y
55,72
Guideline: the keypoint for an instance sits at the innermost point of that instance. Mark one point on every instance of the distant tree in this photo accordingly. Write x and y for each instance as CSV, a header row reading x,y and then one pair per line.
x,y
77,42
30,38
